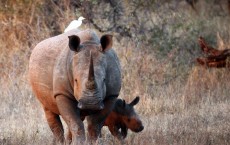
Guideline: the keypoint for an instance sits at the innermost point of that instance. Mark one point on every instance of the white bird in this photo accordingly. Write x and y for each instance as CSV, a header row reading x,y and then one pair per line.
x,y
74,24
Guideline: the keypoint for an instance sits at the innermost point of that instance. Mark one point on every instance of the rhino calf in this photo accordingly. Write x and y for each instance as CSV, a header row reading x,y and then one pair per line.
x,y
123,117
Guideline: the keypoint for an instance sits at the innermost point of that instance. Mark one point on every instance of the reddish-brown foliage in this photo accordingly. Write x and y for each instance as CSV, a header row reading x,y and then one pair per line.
x,y
214,57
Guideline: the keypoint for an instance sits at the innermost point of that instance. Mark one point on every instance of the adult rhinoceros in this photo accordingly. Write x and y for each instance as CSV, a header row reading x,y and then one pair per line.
x,y
75,74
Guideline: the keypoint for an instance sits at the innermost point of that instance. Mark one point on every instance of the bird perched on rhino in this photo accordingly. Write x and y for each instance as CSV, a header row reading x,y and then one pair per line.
x,y
74,24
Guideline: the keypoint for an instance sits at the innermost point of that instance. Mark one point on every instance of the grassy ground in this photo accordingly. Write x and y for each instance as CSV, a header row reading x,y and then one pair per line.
x,y
181,102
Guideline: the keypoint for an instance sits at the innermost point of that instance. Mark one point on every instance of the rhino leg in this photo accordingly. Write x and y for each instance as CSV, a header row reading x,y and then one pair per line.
x,y
55,125
96,121
69,137
124,131
71,114
114,130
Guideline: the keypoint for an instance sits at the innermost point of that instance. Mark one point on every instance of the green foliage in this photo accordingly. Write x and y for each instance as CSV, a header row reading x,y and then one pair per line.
x,y
183,33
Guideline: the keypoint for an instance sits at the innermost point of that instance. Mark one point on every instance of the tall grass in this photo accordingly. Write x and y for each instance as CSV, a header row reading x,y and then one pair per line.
x,y
181,102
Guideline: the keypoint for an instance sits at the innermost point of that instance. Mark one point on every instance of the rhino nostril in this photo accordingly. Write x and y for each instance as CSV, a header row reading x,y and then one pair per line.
x,y
80,105
101,106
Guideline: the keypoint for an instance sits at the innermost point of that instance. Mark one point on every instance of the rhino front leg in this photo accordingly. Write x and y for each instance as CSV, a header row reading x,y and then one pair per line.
x,y
69,137
114,130
96,121
71,114
55,125
124,131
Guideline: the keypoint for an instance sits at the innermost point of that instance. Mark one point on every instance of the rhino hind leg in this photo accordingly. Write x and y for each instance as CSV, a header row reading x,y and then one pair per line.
x,y
55,126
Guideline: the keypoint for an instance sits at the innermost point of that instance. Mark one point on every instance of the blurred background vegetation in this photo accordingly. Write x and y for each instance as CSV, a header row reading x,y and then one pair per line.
x,y
156,40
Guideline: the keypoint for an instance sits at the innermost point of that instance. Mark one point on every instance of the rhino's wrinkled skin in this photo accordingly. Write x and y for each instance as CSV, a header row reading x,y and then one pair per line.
x,y
75,71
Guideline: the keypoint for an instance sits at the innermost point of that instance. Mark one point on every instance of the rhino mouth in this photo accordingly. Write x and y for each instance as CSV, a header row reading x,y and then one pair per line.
x,y
91,103
139,129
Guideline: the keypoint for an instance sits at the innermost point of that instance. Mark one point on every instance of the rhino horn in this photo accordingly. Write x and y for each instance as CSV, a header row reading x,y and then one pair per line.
x,y
91,69
91,81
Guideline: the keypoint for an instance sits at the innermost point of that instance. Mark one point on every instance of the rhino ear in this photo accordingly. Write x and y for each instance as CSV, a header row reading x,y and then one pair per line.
x,y
106,42
74,42
135,101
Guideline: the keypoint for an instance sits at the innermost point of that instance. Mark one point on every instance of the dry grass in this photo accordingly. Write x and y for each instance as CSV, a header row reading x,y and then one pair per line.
x,y
181,103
